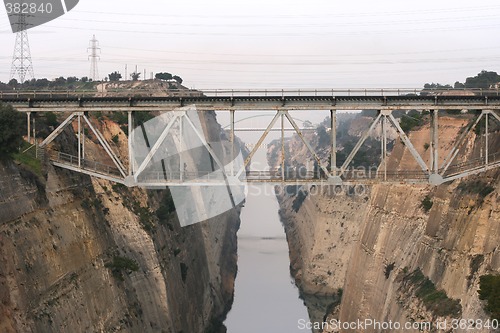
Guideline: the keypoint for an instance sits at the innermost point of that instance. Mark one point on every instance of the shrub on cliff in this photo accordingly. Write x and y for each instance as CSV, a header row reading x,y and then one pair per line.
x,y
427,203
11,124
120,264
489,291
435,301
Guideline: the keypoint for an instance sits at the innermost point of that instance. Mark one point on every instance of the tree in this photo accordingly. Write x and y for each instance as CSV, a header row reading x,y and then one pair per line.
x,y
42,83
115,76
436,86
11,123
135,76
13,83
177,78
323,137
84,79
459,85
60,81
72,79
483,80
163,76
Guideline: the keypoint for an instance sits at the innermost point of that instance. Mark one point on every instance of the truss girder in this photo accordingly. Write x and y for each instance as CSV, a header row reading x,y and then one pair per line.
x,y
384,118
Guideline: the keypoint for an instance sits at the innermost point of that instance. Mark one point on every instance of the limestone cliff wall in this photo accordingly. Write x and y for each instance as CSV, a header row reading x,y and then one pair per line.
x,y
60,233
367,244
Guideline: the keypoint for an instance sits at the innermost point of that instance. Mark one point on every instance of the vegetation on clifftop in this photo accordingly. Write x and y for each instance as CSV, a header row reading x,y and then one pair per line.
x,y
10,135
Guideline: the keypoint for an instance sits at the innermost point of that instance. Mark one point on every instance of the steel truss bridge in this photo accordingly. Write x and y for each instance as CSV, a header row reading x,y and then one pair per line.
x,y
278,103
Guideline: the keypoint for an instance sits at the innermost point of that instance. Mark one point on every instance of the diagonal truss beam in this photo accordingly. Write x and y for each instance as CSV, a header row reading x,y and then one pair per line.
x,y
58,130
301,136
409,145
155,147
360,142
494,114
106,147
206,144
257,146
213,154
458,145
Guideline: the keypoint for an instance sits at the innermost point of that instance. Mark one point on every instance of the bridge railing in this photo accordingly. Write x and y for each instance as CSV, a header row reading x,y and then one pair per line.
x,y
472,164
85,164
249,92
275,174
347,92
93,93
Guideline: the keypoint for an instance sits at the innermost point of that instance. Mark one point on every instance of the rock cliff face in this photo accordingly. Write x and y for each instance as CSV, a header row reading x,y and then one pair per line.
x,y
85,255
375,247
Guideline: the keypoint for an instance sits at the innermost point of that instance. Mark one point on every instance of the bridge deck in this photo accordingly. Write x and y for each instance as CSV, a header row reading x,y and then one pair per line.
x,y
258,100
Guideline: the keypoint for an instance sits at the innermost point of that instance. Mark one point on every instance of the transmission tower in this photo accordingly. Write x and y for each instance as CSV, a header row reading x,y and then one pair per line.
x,y
94,48
21,60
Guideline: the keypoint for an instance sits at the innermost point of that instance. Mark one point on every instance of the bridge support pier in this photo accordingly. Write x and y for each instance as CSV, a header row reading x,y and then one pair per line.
x,y
384,145
29,126
231,138
130,143
283,147
333,134
434,142
486,139
79,141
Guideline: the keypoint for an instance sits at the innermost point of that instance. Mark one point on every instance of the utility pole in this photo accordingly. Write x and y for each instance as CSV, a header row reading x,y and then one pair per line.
x,y
94,48
126,77
21,59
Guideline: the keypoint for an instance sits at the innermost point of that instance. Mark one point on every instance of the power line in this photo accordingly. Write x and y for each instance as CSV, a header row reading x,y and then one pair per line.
x,y
291,55
293,34
329,15
294,24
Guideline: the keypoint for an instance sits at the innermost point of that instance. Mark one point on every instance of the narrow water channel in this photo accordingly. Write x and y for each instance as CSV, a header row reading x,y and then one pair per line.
x,y
266,298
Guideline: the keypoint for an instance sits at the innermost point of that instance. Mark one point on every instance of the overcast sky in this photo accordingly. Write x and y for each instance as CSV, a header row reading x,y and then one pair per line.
x,y
271,43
